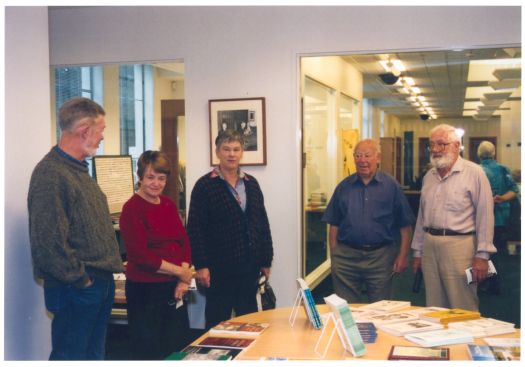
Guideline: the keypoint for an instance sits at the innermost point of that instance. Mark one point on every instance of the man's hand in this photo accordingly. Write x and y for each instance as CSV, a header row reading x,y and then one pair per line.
x,y
480,269
416,264
266,272
400,264
203,277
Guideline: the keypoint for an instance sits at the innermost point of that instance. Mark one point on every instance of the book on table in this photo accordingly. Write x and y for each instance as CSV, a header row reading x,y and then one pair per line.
x,y
204,354
410,353
483,327
480,352
368,331
494,353
505,349
409,327
440,337
307,299
422,310
452,315
235,343
391,317
346,326
239,328
387,305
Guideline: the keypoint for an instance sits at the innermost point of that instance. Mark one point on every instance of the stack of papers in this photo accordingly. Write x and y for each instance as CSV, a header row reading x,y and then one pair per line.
x,y
483,327
440,337
387,306
409,327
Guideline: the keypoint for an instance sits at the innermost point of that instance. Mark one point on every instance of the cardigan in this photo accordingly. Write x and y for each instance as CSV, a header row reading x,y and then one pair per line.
x,y
222,236
70,227
152,233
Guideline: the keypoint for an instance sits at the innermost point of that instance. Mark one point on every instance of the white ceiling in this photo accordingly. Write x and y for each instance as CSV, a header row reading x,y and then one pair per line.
x,y
454,83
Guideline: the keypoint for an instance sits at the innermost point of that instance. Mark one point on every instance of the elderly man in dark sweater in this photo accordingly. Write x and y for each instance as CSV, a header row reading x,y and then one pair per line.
x,y
229,232
72,239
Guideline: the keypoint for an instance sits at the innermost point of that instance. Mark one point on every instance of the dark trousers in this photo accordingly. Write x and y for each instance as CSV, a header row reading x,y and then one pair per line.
x,y
80,318
157,328
229,292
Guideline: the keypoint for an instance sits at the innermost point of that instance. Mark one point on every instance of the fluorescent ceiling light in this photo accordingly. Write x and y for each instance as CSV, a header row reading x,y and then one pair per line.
x,y
471,105
416,90
409,81
426,104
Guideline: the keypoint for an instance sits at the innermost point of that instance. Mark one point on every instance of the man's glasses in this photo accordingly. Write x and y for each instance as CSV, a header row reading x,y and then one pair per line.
x,y
363,155
440,146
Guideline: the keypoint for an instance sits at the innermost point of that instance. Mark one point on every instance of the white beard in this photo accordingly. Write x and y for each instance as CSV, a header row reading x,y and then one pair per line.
x,y
441,162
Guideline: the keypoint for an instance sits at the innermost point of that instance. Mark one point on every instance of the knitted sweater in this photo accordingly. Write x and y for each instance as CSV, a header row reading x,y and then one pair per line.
x,y
222,236
152,233
69,224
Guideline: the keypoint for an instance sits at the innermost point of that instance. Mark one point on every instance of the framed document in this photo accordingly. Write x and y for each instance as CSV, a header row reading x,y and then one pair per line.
x,y
114,175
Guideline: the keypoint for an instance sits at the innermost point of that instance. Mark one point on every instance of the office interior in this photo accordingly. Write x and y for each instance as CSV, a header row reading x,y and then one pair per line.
x,y
309,63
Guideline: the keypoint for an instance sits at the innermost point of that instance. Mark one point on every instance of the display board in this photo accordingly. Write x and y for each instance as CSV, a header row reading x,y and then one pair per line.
x,y
114,175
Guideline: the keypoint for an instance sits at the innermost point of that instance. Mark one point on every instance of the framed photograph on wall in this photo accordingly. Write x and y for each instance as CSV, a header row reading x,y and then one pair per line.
x,y
245,115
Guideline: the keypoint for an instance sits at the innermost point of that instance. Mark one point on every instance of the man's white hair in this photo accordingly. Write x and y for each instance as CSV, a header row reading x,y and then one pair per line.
x,y
449,129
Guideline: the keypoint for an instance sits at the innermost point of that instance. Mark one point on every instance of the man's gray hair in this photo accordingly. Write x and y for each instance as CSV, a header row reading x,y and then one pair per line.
x,y
449,129
76,109
486,150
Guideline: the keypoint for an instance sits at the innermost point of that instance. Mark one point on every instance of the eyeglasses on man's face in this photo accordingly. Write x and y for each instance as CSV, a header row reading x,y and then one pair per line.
x,y
367,155
440,146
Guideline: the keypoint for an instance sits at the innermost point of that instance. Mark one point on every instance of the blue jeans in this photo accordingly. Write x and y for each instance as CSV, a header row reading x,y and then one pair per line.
x,y
80,318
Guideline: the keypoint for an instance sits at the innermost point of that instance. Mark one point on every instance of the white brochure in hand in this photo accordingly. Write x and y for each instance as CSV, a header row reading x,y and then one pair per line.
x,y
491,272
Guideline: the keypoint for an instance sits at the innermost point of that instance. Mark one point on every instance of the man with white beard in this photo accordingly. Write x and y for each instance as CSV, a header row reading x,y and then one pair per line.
x,y
455,224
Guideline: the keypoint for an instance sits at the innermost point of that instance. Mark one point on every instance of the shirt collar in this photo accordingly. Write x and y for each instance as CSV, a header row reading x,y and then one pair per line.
x,y
216,172
377,177
63,154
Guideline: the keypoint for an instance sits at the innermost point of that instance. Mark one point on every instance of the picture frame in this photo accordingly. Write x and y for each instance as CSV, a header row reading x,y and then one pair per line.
x,y
246,115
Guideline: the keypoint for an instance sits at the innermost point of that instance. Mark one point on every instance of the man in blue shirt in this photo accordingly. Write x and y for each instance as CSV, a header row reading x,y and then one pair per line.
x,y
504,190
366,214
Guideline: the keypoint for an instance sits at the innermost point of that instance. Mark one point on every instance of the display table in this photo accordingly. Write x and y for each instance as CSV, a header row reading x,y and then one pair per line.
x,y
298,342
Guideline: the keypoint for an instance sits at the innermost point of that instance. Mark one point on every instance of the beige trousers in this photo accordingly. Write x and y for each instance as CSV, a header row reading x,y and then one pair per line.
x,y
444,261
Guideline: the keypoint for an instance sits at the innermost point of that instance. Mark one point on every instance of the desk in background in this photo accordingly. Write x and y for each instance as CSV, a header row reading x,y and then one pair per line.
x,y
298,342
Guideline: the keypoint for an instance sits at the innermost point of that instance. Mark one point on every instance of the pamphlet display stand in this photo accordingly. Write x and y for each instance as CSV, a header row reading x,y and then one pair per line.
x,y
329,316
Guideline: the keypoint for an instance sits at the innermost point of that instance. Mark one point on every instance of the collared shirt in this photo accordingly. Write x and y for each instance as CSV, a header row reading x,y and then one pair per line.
x,y
501,182
368,214
69,157
239,191
461,201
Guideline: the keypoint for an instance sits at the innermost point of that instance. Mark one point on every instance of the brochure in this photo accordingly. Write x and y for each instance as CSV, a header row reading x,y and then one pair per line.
x,y
408,327
346,326
483,327
239,328
440,337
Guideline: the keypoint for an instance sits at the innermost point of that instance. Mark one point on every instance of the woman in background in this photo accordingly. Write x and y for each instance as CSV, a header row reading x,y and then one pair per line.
x,y
158,270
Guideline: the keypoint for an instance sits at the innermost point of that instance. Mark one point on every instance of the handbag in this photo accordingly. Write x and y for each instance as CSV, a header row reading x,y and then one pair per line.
x,y
268,299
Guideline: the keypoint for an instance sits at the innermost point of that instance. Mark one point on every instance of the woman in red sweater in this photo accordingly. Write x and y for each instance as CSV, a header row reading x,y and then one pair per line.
x,y
158,270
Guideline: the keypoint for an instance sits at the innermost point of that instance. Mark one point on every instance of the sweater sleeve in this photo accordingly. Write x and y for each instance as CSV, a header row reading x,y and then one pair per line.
x,y
49,204
198,225
135,237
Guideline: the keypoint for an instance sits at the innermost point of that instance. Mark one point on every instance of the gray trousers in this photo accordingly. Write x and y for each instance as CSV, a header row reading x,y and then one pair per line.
x,y
444,261
352,268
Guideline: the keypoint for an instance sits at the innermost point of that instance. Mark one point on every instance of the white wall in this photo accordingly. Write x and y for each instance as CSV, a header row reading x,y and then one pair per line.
x,y
28,133
228,52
